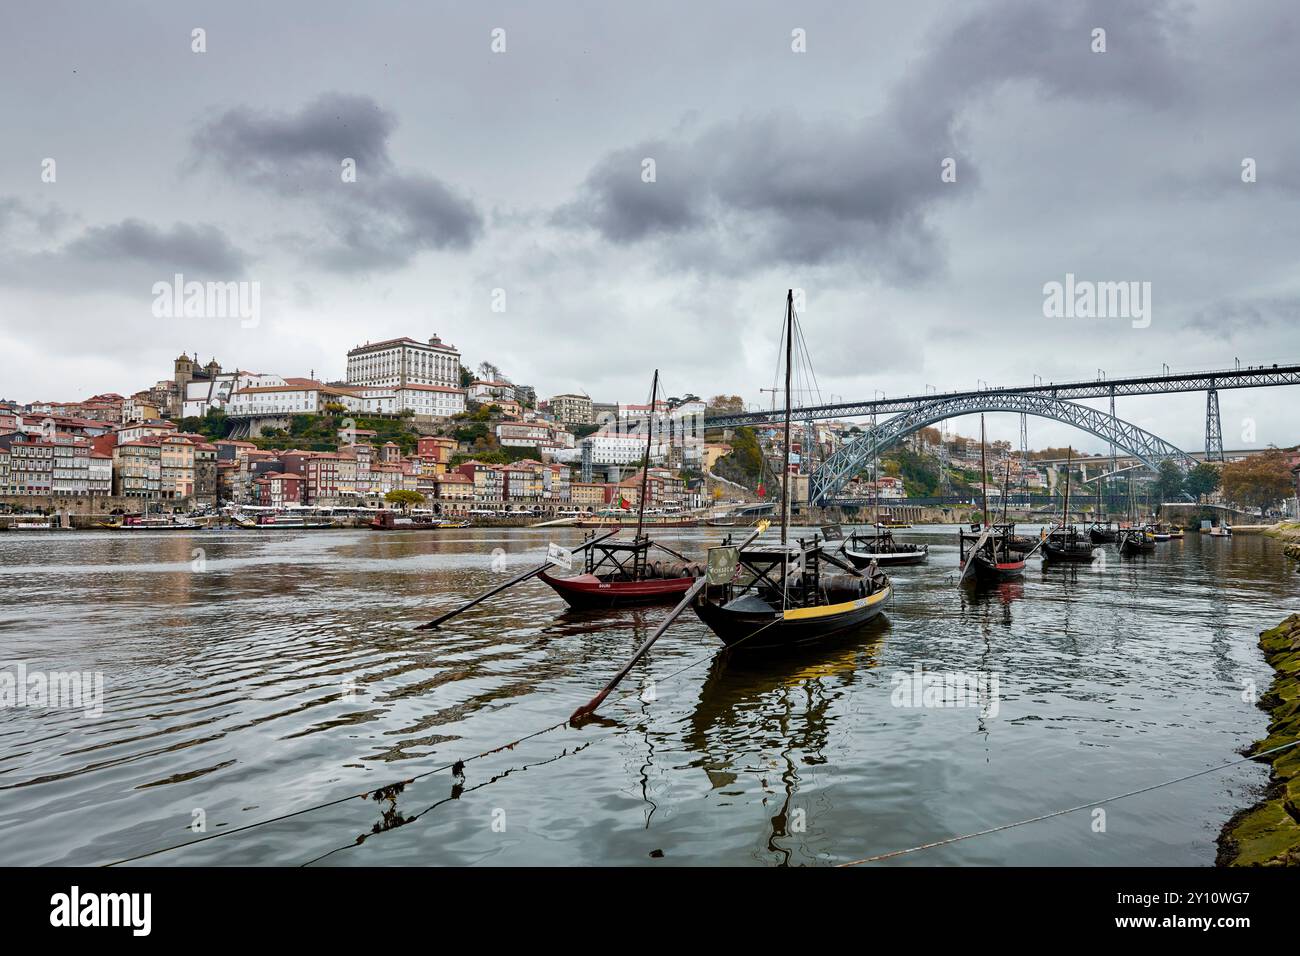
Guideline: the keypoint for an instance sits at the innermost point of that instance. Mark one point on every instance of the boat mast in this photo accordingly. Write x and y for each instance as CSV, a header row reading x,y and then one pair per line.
x,y
645,465
785,460
1065,509
1006,488
984,479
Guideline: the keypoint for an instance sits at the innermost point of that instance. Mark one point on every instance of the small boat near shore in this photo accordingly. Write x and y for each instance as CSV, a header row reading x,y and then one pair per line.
x,y
863,549
154,523
34,523
397,521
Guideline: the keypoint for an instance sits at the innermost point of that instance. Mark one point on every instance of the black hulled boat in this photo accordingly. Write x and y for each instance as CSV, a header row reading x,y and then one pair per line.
x,y
862,549
774,596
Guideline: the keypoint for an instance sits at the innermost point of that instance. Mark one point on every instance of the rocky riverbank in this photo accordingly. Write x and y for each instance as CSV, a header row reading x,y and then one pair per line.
x,y
1288,532
1268,834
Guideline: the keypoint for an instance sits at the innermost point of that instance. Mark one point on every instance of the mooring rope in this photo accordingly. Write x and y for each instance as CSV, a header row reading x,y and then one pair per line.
x,y
456,767
1058,813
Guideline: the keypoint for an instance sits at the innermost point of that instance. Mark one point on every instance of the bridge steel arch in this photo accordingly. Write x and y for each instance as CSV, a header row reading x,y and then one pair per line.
x,y
836,470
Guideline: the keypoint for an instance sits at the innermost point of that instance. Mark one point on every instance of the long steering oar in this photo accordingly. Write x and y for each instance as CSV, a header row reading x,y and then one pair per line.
x,y
590,706
511,583
971,559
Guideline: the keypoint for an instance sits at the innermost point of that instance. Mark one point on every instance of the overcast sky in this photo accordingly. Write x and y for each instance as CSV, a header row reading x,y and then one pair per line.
x,y
522,171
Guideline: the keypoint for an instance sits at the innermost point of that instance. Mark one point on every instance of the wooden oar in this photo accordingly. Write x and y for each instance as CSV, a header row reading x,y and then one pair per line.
x,y
511,583
590,706
970,560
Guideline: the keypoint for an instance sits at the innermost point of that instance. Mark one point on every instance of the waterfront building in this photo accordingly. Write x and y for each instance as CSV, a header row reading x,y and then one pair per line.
x,y
31,465
137,469
176,461
279,490
453,493
587,495
489,484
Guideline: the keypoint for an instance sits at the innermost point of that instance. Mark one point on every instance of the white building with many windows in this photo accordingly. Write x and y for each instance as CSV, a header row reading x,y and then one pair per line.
x,y
435,401
398,363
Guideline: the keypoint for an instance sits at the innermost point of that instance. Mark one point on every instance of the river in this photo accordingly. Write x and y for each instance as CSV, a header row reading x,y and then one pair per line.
x,y
248,675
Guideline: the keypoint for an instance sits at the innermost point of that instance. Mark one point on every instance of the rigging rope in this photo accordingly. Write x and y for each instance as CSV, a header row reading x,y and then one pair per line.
x,y
1058,813
456,767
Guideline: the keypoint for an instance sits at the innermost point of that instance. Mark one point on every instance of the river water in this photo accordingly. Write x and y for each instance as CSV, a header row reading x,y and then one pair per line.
x,y
248,675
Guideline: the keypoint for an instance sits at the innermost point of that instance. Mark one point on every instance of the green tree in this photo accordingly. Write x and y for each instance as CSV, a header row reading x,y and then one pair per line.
x,y
1169,481
1202,480
406,499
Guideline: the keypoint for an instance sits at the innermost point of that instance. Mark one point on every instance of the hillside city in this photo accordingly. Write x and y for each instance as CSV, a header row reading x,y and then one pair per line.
x,y
411,423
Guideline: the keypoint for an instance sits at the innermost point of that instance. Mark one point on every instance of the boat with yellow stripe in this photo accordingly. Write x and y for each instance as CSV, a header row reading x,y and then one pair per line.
x,y
786,594
785,597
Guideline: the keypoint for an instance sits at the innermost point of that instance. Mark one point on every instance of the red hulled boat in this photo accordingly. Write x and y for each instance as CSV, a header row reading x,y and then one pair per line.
x,y
620,574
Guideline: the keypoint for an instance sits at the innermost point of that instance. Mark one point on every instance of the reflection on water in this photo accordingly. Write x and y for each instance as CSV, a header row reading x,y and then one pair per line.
x,y
249,675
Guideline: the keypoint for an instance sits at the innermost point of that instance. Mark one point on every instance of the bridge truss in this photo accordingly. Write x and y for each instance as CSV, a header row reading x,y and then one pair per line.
x,y
836,470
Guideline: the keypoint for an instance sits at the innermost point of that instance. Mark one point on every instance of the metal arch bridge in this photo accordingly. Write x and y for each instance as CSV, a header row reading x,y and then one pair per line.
x,y
1209,382
853,457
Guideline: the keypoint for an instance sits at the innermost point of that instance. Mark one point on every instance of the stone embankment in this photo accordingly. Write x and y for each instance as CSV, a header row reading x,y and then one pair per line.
x,y
1268,834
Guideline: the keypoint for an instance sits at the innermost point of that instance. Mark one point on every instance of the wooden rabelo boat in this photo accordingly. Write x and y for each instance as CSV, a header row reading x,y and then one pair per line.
x,y
774,596
781,595
1103,532
1067,542
1136,541
992,555
862,549
620,573
396,521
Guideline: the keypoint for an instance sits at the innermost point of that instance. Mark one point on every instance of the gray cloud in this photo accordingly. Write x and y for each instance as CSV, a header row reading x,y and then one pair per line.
x,y
784,189
125,256
201,249
378,222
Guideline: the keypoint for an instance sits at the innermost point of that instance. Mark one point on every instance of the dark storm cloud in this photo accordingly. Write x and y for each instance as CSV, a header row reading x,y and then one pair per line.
x,y
200,249
125,256
273,148
378,222
782,188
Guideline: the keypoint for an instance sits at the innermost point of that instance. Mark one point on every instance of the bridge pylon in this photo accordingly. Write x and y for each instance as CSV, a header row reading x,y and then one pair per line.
x,y
1213,427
